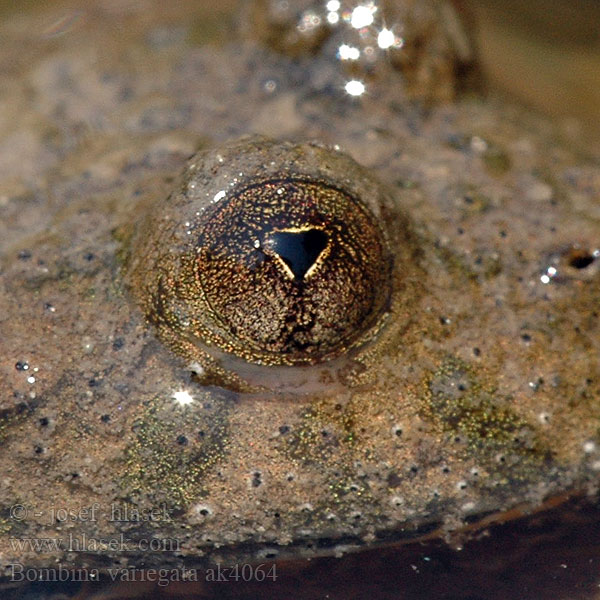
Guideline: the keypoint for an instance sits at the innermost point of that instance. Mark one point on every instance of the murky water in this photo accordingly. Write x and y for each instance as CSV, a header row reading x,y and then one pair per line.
x,y
546,54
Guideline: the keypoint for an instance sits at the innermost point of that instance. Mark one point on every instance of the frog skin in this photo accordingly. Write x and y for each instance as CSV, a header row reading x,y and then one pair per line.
x,y
478,393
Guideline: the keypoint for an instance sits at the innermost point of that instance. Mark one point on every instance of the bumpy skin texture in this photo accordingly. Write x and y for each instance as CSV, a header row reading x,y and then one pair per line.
x,y
480,394
267,252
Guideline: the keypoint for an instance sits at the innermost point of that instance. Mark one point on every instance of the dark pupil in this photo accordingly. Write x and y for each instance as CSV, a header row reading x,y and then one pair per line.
x,y
299,250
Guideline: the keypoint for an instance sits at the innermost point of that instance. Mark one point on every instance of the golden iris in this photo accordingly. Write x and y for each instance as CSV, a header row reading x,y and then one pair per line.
x,y
271,261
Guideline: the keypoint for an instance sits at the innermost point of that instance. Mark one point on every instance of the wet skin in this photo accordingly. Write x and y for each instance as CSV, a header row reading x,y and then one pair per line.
x,y
467,387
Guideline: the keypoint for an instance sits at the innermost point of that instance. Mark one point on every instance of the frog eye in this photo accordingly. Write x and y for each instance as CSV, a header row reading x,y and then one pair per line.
x,y
293,269
282,264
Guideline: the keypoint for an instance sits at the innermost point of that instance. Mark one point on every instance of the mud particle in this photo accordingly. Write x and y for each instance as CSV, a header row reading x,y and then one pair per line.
x,y
118,344
394,480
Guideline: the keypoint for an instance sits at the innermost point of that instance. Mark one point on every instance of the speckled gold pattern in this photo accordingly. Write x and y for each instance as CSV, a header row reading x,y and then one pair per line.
x,y
288,267
271,314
